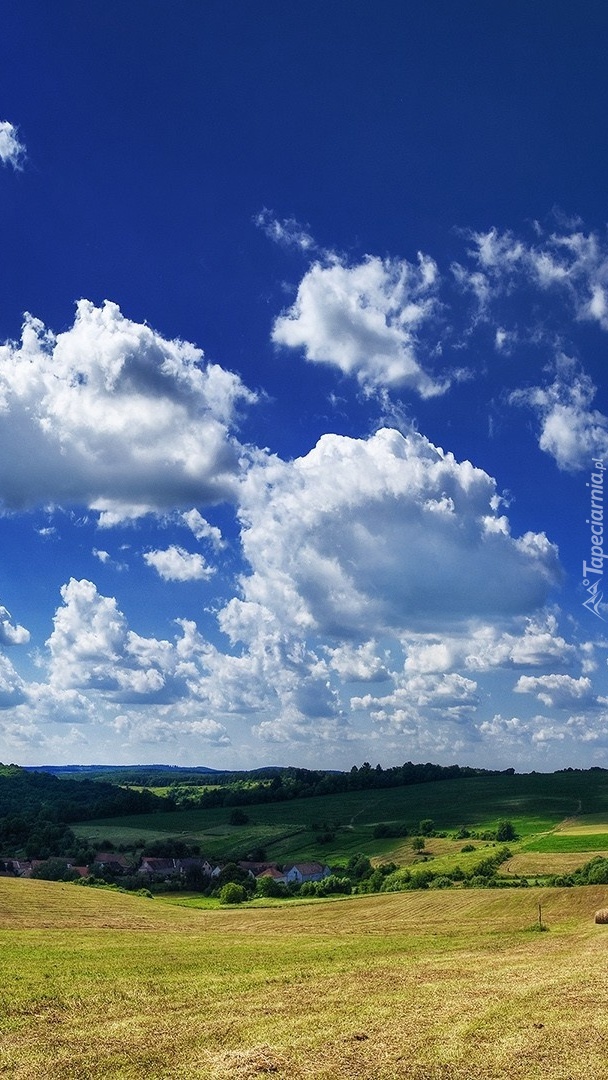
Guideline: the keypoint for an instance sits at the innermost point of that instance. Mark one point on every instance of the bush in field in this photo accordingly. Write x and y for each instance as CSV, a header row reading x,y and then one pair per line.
x,y
396,881
267,886
420,879
232,893
594,872
334,885
233,874
359,867
382,830
404,880
505,831
376,880
329,886
427,827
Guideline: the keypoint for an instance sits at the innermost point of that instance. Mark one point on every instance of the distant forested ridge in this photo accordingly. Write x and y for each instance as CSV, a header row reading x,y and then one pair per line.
x,y
37,808
204,788
277,785
29,793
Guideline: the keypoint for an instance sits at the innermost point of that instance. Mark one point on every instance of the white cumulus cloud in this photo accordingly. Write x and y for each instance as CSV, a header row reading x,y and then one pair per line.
x,y
176,564
360,537
364,320
10,634
558,691
571,431
92,649
202,529
112,415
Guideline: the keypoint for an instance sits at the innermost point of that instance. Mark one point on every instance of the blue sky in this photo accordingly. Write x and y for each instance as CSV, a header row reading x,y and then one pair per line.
x,y
303,410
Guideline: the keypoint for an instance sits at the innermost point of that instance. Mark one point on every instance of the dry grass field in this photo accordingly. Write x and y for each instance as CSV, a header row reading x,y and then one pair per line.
x,y
424,985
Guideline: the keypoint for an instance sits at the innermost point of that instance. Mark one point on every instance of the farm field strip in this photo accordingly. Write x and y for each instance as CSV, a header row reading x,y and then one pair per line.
x,y
415,985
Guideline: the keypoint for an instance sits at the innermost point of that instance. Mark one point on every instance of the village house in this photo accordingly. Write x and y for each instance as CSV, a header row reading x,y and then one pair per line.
x,y
254,869
195,863
17,868
159,869
110,862
272,872
298,873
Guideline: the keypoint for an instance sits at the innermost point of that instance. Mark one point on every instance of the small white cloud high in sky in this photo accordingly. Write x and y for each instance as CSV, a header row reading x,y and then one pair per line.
x,y
321,483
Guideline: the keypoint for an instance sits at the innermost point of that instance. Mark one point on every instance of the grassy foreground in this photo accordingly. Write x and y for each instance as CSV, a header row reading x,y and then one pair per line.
x,y
420,985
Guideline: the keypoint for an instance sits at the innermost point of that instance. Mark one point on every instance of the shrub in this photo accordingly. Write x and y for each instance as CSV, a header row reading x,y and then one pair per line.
x,y
359,867
462,834
232,893
233,874
505,831
332,885
420,879
267,886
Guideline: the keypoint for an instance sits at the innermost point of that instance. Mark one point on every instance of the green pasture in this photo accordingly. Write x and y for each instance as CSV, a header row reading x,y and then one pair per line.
x,y
559,842
416,985
535,803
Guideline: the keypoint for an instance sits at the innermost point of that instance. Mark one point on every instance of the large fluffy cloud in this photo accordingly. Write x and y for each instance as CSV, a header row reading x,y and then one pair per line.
x,y
93,649
387,534
112,415
364,320
12,687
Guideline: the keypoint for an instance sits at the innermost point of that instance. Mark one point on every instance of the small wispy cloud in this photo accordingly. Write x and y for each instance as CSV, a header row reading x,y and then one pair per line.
x,y
12,151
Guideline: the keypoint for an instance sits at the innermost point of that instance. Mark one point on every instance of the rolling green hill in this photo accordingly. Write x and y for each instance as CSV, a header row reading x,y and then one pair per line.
x,y
535,803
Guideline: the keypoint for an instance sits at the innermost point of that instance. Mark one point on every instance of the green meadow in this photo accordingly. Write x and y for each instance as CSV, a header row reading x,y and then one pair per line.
x,y
418,985
334,827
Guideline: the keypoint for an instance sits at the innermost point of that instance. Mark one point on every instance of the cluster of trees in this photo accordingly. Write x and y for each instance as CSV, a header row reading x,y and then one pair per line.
x,y
482,875
594,872
359,876
36,809
277,785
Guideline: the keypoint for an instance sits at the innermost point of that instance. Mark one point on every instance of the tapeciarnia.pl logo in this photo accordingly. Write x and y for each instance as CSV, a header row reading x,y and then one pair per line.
x,y
593,571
